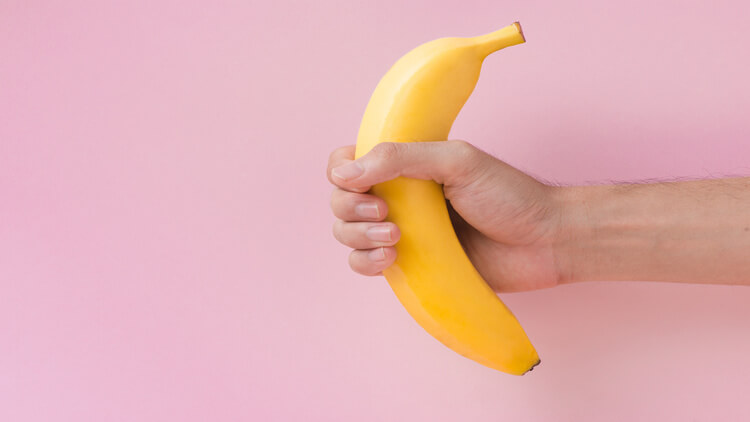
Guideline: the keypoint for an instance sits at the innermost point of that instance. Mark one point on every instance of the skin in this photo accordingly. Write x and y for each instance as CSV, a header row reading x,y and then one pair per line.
x,y
522,234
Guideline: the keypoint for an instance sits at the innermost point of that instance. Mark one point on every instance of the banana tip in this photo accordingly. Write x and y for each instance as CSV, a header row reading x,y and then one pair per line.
x,y
519,29
533,366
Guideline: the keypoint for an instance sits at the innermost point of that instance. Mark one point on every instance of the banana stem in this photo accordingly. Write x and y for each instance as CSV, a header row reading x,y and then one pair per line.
x,y
504,37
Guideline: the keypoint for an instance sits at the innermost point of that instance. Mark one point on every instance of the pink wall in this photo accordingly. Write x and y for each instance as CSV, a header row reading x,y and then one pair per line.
x,y
165,246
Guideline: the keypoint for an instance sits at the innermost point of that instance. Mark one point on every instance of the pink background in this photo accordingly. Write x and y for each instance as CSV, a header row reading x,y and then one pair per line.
x,y
165,245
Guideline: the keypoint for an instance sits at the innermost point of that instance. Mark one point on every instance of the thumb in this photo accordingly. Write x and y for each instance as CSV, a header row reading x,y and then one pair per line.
x,y
445,162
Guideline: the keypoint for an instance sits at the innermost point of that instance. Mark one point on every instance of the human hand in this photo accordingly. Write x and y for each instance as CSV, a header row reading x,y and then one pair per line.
x,y
506,220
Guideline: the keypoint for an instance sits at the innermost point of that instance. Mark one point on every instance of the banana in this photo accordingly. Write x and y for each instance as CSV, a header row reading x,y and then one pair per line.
x,y
417,100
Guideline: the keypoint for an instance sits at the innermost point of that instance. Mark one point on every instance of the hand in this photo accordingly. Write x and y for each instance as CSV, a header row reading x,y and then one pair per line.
x,y
506,220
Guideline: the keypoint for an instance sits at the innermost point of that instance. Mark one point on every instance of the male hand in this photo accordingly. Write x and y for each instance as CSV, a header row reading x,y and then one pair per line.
x,y
507,221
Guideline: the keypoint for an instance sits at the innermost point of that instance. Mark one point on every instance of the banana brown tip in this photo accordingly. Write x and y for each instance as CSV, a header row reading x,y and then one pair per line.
x,y
520,31
533,366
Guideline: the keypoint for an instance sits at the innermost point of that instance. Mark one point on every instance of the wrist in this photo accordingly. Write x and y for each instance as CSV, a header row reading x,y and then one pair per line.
x,y
568,203
598,231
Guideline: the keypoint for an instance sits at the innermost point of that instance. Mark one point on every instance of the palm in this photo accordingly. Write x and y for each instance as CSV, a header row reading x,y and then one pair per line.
x,y
506,239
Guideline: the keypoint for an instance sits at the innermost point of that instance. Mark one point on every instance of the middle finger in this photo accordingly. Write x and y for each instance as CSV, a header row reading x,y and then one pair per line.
x,y
362,235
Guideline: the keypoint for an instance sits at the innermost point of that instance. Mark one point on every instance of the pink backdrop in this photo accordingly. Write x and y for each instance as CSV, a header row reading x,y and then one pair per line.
x,y
165,243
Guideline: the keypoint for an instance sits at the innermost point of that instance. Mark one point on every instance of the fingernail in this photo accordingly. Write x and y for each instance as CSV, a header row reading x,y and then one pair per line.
x,y
376,254
379,233
367,210
348,171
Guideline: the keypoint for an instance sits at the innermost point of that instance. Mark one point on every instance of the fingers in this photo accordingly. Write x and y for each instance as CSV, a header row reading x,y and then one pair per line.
x,y
372,242
350,206
360,226
446,162
361,235
372,261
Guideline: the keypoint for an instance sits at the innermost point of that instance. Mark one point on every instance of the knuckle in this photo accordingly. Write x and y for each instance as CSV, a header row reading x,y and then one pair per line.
x,y
386,151
355,263
463,157
340,151
359,263
462,149
336,157
333,154
337,198
334,200
343,205
338,230
352,261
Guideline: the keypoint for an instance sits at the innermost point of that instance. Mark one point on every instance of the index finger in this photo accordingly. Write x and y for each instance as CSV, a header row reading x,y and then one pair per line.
x,y
339,157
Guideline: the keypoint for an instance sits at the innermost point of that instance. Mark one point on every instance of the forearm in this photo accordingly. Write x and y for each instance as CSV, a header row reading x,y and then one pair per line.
x,y
692,232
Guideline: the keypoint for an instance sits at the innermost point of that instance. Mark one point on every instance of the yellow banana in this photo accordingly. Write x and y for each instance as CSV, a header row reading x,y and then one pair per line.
x,y
418,100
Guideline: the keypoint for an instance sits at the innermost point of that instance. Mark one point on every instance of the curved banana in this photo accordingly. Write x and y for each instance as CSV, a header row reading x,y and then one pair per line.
x,y
418,100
